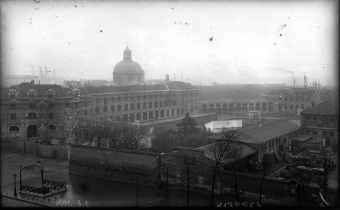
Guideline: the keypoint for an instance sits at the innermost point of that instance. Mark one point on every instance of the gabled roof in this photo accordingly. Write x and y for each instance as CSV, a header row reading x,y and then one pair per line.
x,y
243,151
264,132
326,107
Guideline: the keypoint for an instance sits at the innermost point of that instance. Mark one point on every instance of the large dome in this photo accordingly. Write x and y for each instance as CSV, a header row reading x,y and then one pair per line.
x,y
127,66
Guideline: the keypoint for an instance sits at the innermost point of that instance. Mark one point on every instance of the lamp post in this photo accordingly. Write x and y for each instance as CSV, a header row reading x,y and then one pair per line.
x,y
20,178
41,172
15,186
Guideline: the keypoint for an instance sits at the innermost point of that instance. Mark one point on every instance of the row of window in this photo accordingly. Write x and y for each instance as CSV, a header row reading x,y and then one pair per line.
x,y
324,133
278,141
30,115
328,118
297,98
15,128
133,107
126,98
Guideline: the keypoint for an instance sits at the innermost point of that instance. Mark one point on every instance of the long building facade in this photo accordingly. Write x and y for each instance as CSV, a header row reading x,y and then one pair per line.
x,y
53,111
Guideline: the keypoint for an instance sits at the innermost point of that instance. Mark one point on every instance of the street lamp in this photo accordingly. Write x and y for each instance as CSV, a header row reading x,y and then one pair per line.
x,y
41,172
15,187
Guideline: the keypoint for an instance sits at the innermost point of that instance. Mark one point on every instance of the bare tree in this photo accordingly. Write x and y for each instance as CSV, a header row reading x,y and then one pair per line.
x,y
224,150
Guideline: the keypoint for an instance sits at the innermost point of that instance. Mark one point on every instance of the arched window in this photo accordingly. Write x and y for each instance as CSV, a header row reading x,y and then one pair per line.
x,y
14,128
52,127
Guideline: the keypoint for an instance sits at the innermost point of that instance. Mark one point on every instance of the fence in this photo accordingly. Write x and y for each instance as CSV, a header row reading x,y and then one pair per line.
x,y
36,149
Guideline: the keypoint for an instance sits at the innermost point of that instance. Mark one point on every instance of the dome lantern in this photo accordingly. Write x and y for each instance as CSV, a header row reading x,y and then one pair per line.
x,y
127,54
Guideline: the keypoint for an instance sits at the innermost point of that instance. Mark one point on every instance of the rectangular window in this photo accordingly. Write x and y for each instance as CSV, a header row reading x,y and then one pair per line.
x,y
132,106
13,106
144,105
112,108
315,132
105,109
150,105
126,107
50,115
191,161
331,134
324,133
97,109
161,104
119,107
13,116
173,112
155,104
32,106
138,106
308,131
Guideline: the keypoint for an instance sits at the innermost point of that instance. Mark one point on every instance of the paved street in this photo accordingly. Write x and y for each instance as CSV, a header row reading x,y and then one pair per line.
x,y
91,192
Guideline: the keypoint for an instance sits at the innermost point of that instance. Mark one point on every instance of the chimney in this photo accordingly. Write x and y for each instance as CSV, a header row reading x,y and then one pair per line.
x,y
46,71
40,71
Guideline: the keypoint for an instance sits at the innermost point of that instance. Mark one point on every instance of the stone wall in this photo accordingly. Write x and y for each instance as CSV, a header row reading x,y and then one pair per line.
x,y
115,164
36,149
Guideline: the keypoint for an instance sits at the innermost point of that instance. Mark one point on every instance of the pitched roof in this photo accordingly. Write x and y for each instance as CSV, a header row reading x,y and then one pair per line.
x,y
264,132
302,137
244,151
326,107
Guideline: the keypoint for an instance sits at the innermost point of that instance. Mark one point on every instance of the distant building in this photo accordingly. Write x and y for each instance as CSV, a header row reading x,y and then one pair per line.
x,y
128,72
322,121
9,80
273,138
217,126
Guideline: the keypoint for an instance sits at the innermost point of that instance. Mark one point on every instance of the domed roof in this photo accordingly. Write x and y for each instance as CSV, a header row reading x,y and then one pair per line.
x,y
127,66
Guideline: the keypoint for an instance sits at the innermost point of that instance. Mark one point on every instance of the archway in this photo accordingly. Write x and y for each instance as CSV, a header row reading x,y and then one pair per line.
x,y
238,107
244,107
225,108
218,108
257,107
251,106
211,108
231,108
32,131
204,108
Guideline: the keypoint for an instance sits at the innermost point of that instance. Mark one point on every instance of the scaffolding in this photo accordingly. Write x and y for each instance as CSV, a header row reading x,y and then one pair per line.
x,y
317,89
72,116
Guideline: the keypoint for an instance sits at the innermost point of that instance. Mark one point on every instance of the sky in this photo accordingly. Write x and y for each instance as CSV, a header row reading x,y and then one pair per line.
x,y
209,41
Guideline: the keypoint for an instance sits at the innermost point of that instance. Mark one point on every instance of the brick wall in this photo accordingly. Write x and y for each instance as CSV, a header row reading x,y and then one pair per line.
x,y
115,164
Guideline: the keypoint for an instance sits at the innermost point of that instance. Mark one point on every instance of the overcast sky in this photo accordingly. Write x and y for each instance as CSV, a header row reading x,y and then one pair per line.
x,y
226,42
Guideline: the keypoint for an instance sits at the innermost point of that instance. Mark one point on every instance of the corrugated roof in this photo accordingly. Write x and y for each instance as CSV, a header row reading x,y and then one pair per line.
x,y
302,137
244,151
326,107
264,132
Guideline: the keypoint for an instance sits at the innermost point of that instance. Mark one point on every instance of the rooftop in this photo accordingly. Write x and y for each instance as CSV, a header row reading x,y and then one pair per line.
x,y
326,107
243,151
303,137
264,132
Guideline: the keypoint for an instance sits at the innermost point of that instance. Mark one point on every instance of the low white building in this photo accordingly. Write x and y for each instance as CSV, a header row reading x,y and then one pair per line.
x,y
217,126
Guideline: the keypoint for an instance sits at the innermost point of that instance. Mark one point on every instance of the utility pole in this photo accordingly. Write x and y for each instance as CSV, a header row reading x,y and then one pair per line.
x,y
137,193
